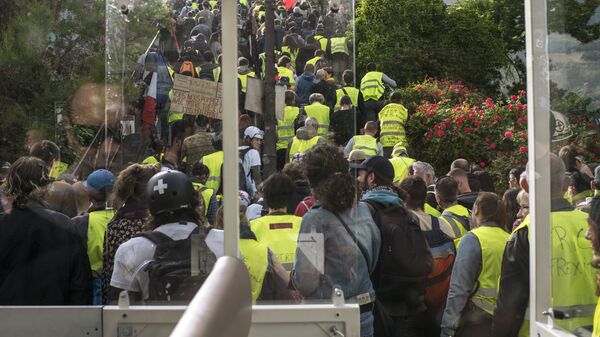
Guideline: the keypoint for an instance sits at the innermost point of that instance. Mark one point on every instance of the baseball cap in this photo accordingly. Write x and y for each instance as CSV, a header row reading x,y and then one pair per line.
x,y
356,156
253,132
98,180
381,166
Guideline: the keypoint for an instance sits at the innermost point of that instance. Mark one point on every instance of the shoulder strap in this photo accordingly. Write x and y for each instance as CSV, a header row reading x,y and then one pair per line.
x,y
435,223
244,151
345,92
362,249
155,236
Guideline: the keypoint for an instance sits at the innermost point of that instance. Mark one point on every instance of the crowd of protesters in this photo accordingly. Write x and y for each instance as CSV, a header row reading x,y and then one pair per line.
x,y
423,252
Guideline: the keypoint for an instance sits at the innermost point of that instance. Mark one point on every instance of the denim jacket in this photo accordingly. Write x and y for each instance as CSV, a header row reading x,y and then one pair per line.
x,y
327,257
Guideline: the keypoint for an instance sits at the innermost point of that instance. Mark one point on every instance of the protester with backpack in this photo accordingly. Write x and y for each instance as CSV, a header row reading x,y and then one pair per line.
x,y
250,159
474,285
338,241
156,266
405,259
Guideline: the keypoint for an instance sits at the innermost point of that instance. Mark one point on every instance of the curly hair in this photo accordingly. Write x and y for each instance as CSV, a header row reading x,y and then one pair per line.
x,y
338,192
26,181
321,162
130,185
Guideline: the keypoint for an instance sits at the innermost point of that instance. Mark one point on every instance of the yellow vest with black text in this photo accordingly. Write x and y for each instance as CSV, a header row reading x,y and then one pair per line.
x,y
492,241
301,145
366,143
280,234
401,166
285,127
322,41
573,277
371,86
214,162
256,258
392,119
97,223
58,168
350,91
459,219
285,72
319,112
244,80
206,194
339,45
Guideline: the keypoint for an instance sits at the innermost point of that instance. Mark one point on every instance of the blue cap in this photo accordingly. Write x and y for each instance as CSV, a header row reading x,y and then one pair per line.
x,y
99,179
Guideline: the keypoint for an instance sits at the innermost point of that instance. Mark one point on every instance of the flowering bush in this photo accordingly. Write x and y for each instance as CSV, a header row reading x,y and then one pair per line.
x,y
451,120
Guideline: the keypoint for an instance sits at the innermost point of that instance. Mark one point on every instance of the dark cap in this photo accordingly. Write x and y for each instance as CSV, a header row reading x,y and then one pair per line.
x,y
381,166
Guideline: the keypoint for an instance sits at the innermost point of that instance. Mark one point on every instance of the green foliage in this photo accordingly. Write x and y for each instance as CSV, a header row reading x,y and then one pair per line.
x,y
13,129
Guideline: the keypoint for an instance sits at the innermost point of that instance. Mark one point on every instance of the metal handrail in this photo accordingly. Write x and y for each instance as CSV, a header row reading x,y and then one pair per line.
x,y
222,307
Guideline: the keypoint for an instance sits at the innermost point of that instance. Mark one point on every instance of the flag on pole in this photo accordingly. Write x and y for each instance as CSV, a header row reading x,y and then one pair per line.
x,y
289,4
149,111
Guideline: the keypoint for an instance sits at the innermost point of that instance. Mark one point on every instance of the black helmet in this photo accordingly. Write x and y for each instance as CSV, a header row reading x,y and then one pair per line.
x,y
170,191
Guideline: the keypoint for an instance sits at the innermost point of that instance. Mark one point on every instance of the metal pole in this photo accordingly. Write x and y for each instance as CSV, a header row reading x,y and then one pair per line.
x,y
538,87
230,128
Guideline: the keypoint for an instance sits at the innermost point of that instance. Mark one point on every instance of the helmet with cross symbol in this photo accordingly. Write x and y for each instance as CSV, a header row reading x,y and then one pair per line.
x,y
170,191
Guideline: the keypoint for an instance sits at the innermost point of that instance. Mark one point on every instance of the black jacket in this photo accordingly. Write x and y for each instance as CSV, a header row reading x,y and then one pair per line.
x,y
468,199
43,260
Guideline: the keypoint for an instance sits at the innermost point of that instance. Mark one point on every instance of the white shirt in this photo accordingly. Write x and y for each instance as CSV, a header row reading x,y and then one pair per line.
x,y
133,255
251,159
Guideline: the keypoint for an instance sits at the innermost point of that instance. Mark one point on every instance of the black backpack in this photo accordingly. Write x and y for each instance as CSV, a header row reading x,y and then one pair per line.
x,y
405,259
242,174
170,272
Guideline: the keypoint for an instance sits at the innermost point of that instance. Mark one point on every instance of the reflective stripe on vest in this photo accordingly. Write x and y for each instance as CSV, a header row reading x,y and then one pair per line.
x,y
401,166
58,168
301,145
392,119
366,143
460,223
350,91
492,241
285,127
244,80
596,332
97,223
280,234
371,85
206,194
256,259
214,162
339,45
319,112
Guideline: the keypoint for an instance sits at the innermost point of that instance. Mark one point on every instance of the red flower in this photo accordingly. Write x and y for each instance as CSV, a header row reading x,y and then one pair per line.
x,y
482,164
520,120
523,149
493,146
452,87
471,115
459,123
508,134
443,126
522,92
513,98
429,134
440,133
447,121
510,107
476,124
497,118
516,161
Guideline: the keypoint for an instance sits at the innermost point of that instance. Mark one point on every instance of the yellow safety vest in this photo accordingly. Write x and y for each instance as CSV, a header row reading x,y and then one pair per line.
x,y
314,61
256,259
350,91
58,168
371,86
285,72
293,55
194,5
392,119
459,218
151,160
280,233
401,166
321,113
213,3
301,145
366,143
244,80
285,127
339,45
596,332
573,277
214,162
492,241
431,211
97,223
206,194
173,115
322,41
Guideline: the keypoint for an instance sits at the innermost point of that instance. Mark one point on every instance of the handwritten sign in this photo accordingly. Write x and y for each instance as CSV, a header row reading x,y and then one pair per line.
x,y
194,96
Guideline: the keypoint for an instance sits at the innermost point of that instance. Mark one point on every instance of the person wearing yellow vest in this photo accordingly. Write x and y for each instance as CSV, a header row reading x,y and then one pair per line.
x,y
474,284
98,185
285,69
349,90
318,61
339,53
285,127
198,176
372,86
209,70
319,37
278,230
290,47
392,119
593,234
305,139
427,173
466,196
573,278
214,162
456,215
320,112
243,73
402,163
367,142
49,152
